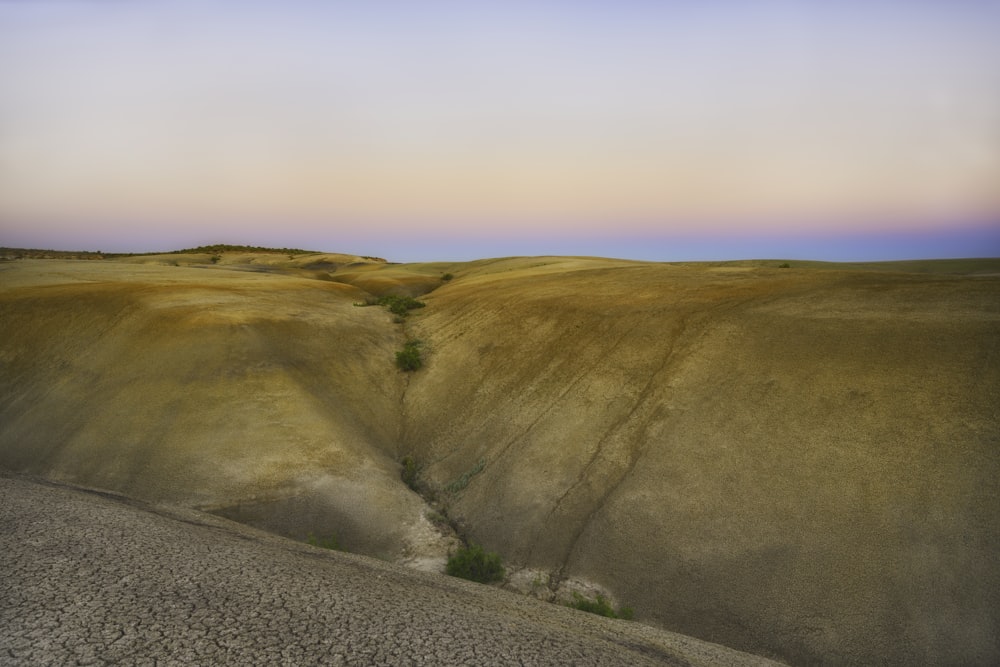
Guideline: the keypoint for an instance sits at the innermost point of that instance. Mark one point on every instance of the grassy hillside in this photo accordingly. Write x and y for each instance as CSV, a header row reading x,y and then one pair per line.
x,y
798,462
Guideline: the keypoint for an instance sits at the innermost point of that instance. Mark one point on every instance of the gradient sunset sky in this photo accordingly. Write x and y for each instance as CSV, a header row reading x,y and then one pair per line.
x,y
849,130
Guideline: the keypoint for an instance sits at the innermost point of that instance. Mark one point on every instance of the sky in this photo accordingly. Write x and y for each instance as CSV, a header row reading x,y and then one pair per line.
x,y
454,130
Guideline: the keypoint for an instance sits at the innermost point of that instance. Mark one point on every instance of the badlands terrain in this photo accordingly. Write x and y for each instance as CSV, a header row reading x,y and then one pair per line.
x,y
798,462
93,579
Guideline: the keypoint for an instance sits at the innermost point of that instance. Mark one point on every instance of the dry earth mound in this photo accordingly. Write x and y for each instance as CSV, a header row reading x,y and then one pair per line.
x,y
798,462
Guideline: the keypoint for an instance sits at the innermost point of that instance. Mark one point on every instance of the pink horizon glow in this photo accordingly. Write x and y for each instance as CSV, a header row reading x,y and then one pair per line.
x,y
501,125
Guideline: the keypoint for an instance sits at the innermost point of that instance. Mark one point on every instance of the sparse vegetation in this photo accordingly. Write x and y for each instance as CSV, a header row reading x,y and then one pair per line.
x,y
600,606
37,253
784,265
448,276
408,359
440,520
219,248
409,472
329,542
463,481
475,564
400,305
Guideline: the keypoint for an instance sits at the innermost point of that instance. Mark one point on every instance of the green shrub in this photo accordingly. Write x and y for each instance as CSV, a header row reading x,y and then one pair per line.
x,y
323,542
784,265
409,472
400,305
475,564
463,481
408,359
448,276
600,606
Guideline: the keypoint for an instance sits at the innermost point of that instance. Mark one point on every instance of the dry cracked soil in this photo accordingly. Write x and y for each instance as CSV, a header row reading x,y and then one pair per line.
x,y
90,579
798,463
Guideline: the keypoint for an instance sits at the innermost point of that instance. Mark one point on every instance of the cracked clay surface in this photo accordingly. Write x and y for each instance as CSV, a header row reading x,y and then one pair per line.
x,y
90,579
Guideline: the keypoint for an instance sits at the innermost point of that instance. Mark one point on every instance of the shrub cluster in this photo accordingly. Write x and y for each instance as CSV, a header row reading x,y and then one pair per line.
x,y
330,542
463,481
408,359
600,606
409,472
400,305
225,247
475,564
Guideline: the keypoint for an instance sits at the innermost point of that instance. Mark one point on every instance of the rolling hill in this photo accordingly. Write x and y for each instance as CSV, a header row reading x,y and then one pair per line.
x,y
795,462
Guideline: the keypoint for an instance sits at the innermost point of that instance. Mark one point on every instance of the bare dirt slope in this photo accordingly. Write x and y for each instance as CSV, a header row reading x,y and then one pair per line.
x,y
795,462
98,581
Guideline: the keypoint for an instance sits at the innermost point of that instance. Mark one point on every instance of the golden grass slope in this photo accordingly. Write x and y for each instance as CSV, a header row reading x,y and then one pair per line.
x,y
207,387
795,462
801,463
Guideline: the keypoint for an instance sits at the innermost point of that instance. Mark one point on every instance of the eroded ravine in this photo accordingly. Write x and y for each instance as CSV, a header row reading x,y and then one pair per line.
x,y
793,462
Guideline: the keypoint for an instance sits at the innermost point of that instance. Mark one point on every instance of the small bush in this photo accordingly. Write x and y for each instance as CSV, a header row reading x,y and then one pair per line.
x,y
323,542
408,359
475,564
448,276
600,606
400,305
409,472
463,481
784,265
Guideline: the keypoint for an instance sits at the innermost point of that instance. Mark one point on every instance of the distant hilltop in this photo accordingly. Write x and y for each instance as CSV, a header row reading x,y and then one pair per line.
x,y
218,248
225,247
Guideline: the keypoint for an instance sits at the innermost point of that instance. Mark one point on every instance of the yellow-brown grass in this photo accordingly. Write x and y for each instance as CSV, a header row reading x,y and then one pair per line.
x,y
791,461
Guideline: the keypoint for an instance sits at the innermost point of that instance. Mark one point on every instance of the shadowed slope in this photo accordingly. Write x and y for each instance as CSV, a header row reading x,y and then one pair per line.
x,y
794,462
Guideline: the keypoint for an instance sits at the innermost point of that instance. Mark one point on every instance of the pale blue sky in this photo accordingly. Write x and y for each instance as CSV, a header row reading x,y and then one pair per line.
x,y
484,128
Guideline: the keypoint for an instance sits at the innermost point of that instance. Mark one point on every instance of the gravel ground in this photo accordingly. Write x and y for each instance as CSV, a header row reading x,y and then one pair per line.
x,y
90,578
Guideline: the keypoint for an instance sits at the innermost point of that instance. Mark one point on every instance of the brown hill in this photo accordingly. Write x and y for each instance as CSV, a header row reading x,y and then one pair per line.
x,y
798,462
